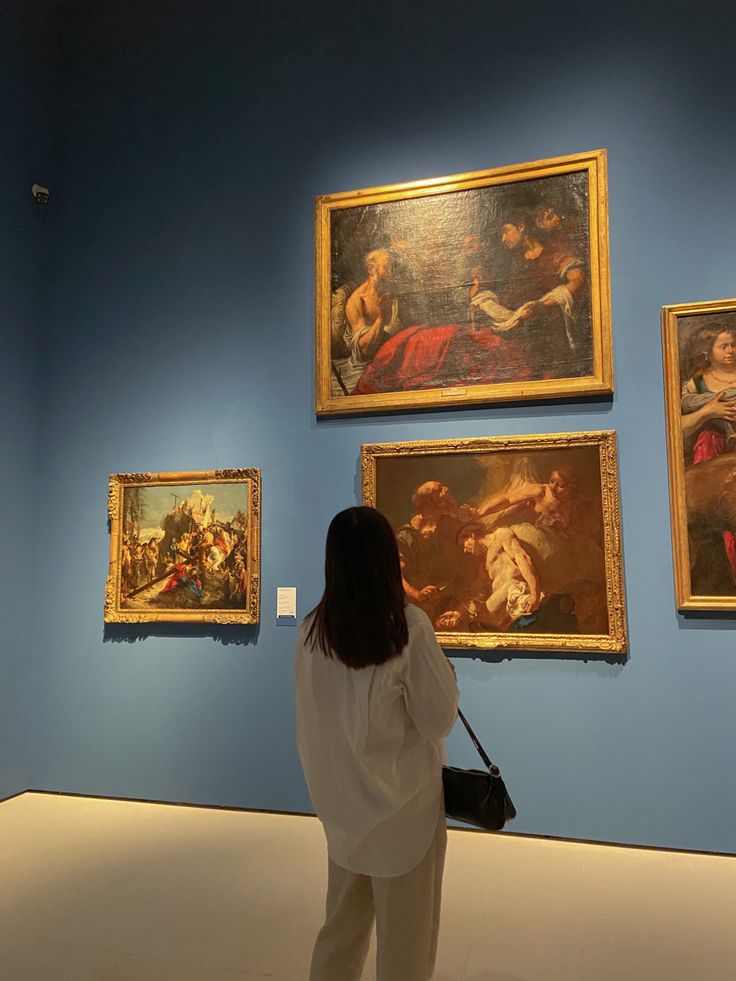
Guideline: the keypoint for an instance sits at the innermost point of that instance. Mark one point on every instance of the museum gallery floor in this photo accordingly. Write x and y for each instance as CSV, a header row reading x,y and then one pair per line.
x,y
100,890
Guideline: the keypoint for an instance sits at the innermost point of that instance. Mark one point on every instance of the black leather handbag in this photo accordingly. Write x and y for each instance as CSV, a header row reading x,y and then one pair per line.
x,y
477,797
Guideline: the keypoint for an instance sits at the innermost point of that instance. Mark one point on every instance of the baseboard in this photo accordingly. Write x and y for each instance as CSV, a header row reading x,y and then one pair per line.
x,y
170,803
18,793
310,814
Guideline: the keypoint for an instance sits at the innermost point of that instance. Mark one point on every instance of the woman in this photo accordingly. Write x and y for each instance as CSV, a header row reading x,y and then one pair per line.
x,y
709,404
709,395
375,697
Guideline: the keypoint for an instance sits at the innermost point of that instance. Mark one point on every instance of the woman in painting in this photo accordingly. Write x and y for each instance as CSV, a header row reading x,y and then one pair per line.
x,y
375,696
709,430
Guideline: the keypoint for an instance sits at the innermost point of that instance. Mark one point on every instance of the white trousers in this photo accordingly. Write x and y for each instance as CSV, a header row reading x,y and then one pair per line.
x,y
407,914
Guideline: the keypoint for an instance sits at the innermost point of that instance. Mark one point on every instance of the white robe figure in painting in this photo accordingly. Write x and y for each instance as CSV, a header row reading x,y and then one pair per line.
x,y
541,565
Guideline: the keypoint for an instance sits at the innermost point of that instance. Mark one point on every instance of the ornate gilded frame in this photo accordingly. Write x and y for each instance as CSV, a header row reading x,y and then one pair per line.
x,y
684,597
615,641
599,383
251,614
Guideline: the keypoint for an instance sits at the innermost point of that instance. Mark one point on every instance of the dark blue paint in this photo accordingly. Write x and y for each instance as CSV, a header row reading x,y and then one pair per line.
x,y
25,60
194,138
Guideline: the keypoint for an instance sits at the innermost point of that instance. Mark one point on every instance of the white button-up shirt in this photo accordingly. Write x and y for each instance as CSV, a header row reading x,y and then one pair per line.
x,y
370,742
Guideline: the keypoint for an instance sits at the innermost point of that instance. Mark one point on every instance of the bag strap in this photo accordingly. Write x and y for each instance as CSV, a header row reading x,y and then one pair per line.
x,y
493,769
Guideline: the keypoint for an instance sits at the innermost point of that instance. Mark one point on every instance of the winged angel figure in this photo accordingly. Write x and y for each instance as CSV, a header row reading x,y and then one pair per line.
x,y
540,564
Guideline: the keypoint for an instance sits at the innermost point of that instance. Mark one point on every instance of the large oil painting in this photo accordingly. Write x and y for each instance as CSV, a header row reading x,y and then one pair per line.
x,y
184,547
699,342
483,287
508,542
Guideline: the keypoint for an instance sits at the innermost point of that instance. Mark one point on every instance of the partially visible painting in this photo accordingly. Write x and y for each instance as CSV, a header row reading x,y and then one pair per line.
x,y
184,546
483,287
508,542
699,341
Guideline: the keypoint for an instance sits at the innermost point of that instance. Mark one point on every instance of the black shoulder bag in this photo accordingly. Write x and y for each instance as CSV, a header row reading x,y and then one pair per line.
x,y
477,797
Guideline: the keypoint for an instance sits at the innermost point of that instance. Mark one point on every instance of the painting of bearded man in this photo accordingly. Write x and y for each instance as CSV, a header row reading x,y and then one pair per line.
x,y
484,287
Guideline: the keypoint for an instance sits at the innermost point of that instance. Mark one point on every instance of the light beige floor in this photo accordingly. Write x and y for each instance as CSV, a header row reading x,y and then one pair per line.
x,y
117,891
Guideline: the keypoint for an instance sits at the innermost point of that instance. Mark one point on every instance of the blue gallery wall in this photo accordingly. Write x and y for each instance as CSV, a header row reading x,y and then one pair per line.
x,y
25,66
195,137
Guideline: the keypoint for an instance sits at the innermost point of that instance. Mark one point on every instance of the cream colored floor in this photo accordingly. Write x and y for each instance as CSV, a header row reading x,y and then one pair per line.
x,y
108,890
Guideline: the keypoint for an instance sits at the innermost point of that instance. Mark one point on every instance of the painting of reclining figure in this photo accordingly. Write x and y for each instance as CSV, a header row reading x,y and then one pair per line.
x,y
483,287
184,546
508,542
700,385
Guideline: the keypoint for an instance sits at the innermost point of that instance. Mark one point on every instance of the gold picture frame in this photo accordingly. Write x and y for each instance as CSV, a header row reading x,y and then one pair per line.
x,y
702,462
195,560
573,543
421,228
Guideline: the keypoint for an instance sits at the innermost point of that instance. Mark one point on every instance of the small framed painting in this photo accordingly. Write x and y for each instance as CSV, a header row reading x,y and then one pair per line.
x,y
699,344
184,547
508,542
484,287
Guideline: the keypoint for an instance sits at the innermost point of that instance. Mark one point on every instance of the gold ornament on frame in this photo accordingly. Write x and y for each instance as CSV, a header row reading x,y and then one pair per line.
x,y
510,542
699,349
184,547
483,287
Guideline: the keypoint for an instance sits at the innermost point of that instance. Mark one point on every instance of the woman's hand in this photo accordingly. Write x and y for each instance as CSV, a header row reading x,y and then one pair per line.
x,y
719,408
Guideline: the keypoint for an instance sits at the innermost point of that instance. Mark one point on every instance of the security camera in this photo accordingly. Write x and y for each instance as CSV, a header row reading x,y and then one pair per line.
x,y
40,194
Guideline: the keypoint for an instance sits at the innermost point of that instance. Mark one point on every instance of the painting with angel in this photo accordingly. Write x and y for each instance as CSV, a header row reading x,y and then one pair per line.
x,y
507,542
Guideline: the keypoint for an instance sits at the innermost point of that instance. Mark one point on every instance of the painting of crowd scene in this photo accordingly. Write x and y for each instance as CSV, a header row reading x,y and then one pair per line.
x,y
700,375
489,286
184,550
507,545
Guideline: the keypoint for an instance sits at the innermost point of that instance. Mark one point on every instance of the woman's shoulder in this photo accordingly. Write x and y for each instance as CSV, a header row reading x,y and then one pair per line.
x,y
305,635
417,618
695,386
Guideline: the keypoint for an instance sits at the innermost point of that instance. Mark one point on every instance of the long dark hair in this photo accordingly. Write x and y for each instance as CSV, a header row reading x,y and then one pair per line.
x,y
361,617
